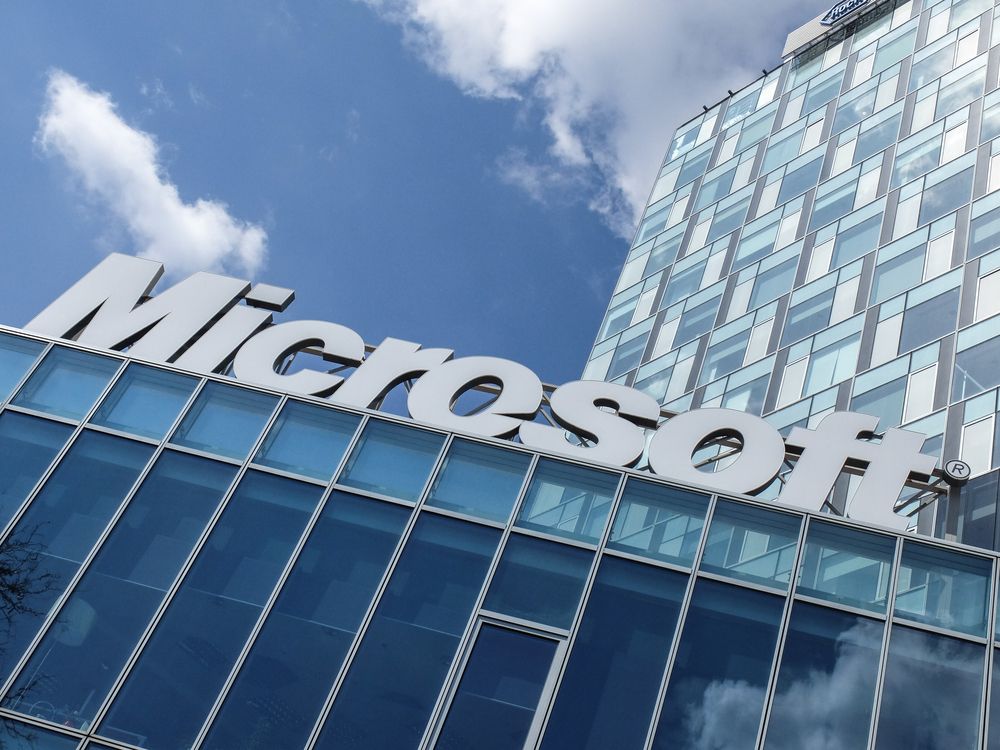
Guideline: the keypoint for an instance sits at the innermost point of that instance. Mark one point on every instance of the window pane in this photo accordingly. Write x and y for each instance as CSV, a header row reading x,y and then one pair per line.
x,y
67,382
568,500
751,544
946,196
187,659
715,696
847,566
16,356
388,695
145,401
659,521
479,479
539,580
608,691
281,688
808,317
993,743
225,420
943,588
929,320
27,447
57,531
78,660
885,402
929,719
308,440
392,460
976,369
499,692
825,693
15,735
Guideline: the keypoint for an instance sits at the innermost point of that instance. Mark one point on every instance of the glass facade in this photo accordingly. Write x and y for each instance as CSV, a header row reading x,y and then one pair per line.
x,y
829,238
229,567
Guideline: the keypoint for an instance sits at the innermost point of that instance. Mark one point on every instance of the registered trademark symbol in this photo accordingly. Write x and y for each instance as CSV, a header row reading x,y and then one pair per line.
x,y
957,471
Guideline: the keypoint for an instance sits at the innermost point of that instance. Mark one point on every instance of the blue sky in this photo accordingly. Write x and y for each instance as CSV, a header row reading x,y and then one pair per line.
x,y
460,174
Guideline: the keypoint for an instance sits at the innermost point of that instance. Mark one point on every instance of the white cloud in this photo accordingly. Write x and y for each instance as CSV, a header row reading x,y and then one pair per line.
x,y
120,166
613,78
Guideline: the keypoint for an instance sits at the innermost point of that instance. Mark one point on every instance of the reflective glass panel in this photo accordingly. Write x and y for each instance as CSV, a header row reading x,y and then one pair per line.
x,y
715,696
943,588
225,420
16,356
191,652
659,521
145,401
27,447
608,692
539,580
825,693
401,665
16,735
308,440
847,566
751,544
993,742
479,479
393,460
499,691
568,500
295,658
946,716
57,531
67,382
79,658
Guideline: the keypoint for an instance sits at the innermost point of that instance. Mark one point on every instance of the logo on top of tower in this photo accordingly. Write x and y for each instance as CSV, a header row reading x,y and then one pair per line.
x,y
841,9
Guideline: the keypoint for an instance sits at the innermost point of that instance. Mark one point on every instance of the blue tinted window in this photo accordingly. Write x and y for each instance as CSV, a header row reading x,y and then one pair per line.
x,y
659,521
946,713
308,440
846,565
608,691
945,196
993,742
194,646
808,317
539,580
943,588
393,460
56,532
568,500
67,382
281,688
929,320
480,480
751,544
15,735
80,656
825,652
716,694
497,697
27,447
145,401
16,356
388,695
225,420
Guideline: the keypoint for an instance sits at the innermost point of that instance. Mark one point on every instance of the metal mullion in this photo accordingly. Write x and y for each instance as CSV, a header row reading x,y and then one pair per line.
x,y
122,434
45,724
779,649
937,630
433,726
651,561
41,414
841,607
95,549
390,569
549,537
682,613
984,716
275,593
574,629
732,581
289,475
61,454
179,579
884,655
434,510
373,495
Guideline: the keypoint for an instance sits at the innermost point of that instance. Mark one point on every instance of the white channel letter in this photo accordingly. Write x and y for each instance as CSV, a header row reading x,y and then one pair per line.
x,y
433,396
759,462
835,441
259,358
576,406
392,362
105,308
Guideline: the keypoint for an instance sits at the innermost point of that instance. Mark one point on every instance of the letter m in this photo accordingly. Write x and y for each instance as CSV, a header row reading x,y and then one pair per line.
x,y
110,308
